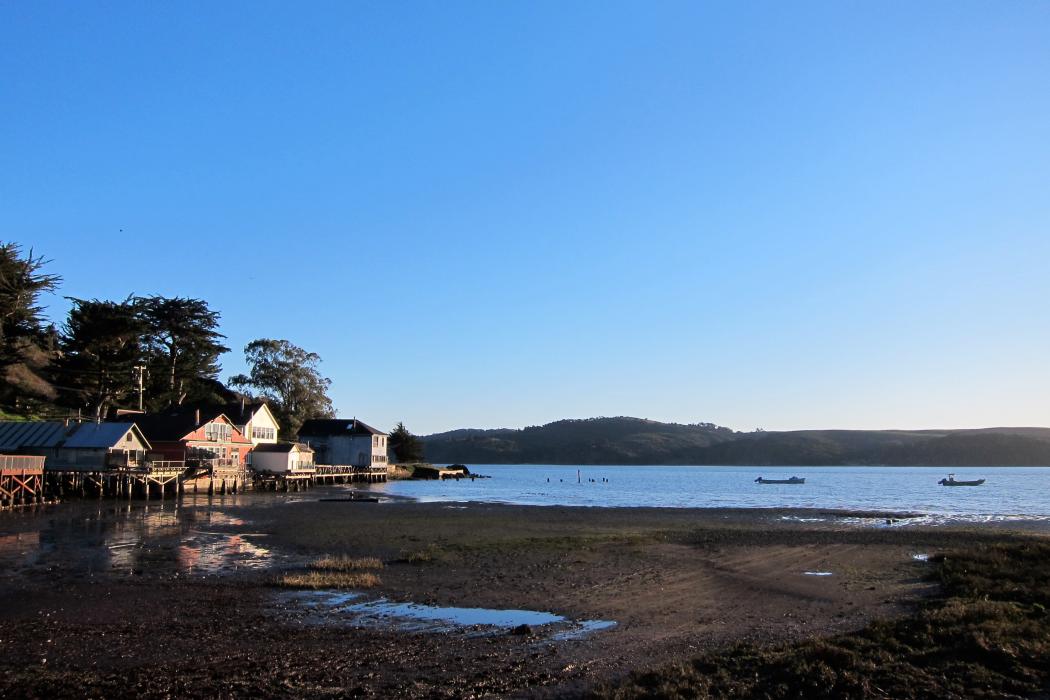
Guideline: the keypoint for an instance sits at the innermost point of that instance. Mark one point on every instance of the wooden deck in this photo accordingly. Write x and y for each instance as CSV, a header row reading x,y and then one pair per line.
x,y
24,480
345,473
21,480
318,475
158,479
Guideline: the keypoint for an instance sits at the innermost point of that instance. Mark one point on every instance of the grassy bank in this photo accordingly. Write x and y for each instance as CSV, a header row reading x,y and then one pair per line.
x,y
986,635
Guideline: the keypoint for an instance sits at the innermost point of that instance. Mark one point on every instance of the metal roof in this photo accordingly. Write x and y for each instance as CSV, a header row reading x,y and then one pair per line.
x,y
16,435
102,435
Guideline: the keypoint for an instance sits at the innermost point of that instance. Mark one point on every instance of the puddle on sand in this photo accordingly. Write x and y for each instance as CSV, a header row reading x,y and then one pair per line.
x,y
333,607
920,557
583,628
816,573
168,538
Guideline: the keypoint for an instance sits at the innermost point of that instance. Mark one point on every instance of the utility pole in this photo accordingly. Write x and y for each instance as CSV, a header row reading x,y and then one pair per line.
x,y
140,371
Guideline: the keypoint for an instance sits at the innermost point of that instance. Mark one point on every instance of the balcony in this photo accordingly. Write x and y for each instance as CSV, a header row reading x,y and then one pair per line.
x,y
212,463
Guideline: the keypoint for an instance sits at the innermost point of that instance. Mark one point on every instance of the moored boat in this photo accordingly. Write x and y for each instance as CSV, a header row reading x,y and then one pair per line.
x,y
792,480
951,481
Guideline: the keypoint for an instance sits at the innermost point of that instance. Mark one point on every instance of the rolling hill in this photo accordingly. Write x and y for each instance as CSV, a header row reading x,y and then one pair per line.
x,y
626,440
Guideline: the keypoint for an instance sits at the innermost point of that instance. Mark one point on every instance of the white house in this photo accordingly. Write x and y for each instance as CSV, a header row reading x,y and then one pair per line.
x,y
346,441
254,420
283,458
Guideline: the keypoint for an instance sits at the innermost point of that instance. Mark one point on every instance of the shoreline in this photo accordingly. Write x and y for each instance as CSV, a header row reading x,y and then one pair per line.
x,y
182,595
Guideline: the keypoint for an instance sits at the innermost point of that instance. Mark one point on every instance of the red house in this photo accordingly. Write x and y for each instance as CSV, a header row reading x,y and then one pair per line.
x,y
203,440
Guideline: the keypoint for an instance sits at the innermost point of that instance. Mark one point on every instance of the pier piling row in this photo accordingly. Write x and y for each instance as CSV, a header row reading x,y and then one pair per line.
x,y
319,475
25,481
21,480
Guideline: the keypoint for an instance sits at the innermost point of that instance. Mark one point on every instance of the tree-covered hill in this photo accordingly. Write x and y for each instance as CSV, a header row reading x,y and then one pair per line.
x,y
636,441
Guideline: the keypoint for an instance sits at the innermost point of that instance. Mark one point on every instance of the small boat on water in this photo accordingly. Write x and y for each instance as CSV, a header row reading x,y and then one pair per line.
x,y
792,480
950,481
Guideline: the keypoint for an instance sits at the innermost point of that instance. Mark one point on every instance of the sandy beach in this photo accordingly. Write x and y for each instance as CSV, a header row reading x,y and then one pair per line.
x,y
153,620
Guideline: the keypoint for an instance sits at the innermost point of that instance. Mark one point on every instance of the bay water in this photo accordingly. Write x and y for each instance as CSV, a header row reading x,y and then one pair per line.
x,y
1008,493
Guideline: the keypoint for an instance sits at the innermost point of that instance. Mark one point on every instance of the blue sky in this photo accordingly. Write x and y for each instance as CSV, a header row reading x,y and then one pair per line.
x,y
776,215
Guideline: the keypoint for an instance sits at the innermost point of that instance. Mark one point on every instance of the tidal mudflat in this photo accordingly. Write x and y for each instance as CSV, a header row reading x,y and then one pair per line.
x,y
181,598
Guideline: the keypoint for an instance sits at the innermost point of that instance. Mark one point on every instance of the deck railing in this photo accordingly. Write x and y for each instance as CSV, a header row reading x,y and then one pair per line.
x,y
125,461
323,469
20,462
166,466
215,463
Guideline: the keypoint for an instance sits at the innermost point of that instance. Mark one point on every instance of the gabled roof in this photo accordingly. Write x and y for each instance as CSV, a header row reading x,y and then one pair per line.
x,y
282,447
160,427
103,435
337,426
15,435
240,413
174,426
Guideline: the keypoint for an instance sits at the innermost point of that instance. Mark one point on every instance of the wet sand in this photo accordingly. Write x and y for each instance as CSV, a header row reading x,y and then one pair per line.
x,y
116,599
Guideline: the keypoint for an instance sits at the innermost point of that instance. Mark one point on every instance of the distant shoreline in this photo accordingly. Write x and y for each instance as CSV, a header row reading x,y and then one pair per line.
x,y
636,442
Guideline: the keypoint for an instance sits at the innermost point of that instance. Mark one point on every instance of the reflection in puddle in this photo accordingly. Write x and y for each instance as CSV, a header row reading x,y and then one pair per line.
x,y
192,536
331,607
816,573
213,552
20,544
920,557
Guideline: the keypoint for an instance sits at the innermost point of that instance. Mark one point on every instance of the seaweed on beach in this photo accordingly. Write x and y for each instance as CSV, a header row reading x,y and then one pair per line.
x,y
987,634
345,563
328,579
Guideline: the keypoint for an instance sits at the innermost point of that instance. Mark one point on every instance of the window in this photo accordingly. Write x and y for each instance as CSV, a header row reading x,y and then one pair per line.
x,y
218,432
128,437
263,433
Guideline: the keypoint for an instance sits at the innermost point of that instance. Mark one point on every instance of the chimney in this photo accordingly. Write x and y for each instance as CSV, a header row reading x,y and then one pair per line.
x,y
242,405
197,416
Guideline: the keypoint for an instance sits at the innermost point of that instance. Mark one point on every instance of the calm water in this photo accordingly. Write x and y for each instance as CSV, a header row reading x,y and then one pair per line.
x,y
356,610
1010,492
195,535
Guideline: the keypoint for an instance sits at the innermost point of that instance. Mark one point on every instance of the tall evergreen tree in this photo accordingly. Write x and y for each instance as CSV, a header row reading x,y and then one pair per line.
x,y
405,446
183,349
287,377
24,343
102,342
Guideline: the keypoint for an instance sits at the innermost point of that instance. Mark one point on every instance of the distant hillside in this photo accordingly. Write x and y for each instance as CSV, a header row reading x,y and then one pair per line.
x,y
591,441
637,441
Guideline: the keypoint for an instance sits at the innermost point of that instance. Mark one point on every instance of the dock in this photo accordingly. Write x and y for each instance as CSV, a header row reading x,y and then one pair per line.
x,y
147,480
318,475
345,474
25,480
21,480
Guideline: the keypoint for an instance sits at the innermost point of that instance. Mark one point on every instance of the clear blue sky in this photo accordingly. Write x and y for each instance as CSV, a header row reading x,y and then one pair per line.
x,y
484,214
